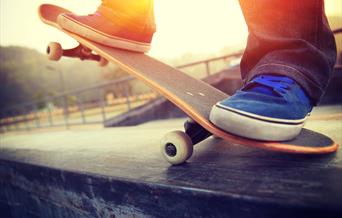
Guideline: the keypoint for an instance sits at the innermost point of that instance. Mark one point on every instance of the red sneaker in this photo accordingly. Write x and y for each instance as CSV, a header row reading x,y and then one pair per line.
x,y
124,33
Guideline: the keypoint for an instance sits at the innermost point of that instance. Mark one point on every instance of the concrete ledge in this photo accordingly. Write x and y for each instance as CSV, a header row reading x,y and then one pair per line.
x,y
119,172
156,109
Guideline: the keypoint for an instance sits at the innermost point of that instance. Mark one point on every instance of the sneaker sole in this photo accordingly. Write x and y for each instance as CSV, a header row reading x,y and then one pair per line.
x,y
99,37
254,127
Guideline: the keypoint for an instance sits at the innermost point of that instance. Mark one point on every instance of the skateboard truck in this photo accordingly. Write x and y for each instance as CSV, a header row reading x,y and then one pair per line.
x,y
177,146
55,52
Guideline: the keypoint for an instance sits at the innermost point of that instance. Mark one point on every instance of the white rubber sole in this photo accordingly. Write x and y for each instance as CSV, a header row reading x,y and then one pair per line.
x,y
254,127
102,38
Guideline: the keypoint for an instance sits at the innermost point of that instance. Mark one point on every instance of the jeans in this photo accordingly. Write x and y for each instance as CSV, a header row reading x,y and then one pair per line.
x,y
292,38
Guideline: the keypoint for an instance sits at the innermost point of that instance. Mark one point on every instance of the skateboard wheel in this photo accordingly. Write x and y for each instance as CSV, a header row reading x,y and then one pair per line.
x,y
176,146
103,62
54,51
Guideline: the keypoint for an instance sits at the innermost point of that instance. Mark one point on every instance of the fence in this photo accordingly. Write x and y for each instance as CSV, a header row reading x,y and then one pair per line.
x,y
73,109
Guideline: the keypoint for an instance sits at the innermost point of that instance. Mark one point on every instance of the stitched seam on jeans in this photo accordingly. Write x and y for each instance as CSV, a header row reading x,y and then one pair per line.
x,y
283,65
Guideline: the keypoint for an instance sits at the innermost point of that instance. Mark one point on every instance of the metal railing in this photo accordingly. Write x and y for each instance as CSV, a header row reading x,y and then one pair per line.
x,y
207,62
60,111
29,115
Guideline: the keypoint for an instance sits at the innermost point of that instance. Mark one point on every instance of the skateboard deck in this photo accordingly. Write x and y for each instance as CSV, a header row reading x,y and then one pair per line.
x,y
191,95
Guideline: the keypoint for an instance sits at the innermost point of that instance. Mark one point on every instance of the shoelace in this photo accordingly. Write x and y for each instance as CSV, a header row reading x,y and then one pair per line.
x,y
278,84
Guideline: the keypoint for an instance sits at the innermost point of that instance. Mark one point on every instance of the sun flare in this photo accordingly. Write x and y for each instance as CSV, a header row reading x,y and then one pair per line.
x,y
191,26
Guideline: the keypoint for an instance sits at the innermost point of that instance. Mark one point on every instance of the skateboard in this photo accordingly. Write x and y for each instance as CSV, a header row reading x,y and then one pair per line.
x,y
191,95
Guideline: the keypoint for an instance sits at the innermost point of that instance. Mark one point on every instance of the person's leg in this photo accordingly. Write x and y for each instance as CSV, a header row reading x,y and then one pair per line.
x,y
290,38
125,24
286,67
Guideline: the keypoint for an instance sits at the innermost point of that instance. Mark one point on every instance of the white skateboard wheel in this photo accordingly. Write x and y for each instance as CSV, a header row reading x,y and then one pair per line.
x,y
176,146
54,51
103,62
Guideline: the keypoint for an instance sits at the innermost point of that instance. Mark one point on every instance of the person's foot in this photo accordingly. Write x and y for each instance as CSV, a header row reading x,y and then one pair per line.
x,y
120,34
269,107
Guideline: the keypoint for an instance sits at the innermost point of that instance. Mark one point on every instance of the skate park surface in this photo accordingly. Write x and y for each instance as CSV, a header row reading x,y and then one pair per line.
x,y
95,171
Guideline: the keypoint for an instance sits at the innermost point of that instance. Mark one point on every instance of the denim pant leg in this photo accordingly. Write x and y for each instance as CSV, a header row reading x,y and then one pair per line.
x,y
292,38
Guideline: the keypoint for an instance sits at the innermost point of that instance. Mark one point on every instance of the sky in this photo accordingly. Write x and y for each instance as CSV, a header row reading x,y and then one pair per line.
x,y
183,26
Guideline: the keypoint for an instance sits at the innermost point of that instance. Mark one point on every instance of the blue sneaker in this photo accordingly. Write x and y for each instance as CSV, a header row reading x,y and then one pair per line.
x,y
269,107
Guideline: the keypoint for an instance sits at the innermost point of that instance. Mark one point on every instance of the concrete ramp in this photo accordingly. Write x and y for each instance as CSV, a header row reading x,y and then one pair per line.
x,y
119,172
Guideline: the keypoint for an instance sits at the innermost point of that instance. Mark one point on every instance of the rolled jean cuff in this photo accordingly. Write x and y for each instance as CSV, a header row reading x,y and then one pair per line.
x,y
312,90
